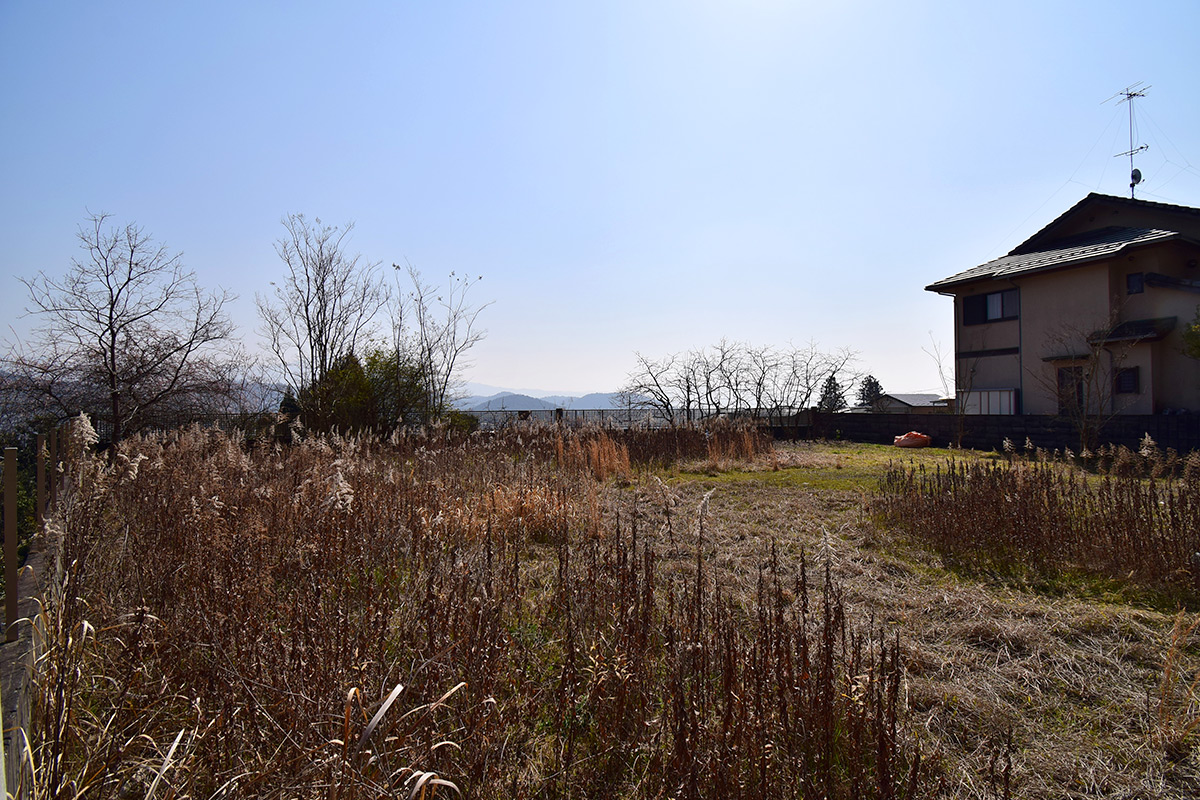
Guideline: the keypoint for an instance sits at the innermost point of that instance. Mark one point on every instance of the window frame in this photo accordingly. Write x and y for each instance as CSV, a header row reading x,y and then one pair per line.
x,y
1133,375
1070,380
978,309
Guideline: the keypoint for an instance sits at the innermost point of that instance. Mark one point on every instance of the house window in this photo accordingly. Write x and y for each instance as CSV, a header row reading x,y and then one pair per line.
x,y
1070,391
1127,381
992,307
1134,283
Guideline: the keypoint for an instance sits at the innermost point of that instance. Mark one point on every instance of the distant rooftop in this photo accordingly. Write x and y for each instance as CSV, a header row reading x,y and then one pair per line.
x,y
915,400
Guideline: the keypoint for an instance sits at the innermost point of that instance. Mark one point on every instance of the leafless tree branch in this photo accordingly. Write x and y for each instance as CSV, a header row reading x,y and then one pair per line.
x,y
125,332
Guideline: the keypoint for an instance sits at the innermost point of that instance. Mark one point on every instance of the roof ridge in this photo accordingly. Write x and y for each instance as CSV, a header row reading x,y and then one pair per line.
x,y
1136,202
1098,197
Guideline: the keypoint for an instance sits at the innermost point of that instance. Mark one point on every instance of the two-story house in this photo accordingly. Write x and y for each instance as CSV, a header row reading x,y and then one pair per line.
x,y
1088,313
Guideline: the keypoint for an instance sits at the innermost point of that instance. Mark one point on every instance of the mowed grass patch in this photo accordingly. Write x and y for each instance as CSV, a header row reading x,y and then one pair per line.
x,y
820,466
1029,682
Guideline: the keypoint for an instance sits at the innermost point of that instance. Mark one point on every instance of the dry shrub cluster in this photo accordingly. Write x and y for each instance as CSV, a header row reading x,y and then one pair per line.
x,y
717,440
1147,461
592,451
1178,708
1047,516
352,618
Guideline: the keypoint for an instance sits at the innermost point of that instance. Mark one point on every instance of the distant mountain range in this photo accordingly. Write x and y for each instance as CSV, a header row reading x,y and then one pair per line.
x,y
511,401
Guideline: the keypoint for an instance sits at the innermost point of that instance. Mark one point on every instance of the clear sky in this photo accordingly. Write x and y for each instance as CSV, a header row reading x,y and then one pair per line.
x,y
638,175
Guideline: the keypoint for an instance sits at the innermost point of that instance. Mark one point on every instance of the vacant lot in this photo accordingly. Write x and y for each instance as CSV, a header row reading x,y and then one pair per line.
x,y
583,615
1058,674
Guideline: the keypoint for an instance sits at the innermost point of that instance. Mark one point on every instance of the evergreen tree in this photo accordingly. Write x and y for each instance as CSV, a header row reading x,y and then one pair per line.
x,y
1191,337
833,397
343,399
398,386
869,391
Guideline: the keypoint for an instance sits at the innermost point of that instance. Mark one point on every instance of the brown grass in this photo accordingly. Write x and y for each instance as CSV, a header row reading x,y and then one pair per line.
x,y
556,636
362,618
1051,686
1050,518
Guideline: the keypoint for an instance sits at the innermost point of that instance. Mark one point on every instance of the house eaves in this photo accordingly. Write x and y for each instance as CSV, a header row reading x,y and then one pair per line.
x,y
1137,330
1134,331
1072,252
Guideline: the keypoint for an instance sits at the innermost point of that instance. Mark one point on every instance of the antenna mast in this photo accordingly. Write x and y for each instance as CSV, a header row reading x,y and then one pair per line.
x,y
1127,95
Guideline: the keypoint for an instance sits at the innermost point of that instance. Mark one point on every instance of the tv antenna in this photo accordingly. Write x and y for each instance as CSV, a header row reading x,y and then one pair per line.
x,y
1128,95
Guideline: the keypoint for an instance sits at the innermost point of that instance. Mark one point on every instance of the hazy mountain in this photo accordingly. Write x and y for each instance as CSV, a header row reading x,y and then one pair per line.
x,y
508,401
514,401
595,400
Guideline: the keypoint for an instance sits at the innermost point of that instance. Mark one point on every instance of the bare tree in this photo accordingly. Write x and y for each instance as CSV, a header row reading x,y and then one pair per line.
x,y
687,380
761,365
446,327
731,374
957,377
734,377
805,370
325,304
654,385
126,331
1081,371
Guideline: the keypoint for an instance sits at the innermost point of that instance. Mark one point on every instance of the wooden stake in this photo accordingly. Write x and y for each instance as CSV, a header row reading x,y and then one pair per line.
x,y
10,543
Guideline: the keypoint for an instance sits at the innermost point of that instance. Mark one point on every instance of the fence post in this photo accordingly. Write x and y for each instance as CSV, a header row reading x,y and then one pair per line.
x,y
53,466
41,480
10,543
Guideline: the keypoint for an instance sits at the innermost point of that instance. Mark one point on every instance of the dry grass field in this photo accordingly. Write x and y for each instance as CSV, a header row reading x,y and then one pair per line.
x,y
1052,683
542,614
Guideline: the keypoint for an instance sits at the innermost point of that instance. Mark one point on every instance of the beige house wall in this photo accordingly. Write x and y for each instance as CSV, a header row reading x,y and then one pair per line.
x,y
1177,381
975,368
1140,356
984,373
1060,309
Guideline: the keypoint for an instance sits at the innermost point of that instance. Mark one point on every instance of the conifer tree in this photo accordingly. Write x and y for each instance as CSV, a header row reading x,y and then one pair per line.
x,y
833,397
869,391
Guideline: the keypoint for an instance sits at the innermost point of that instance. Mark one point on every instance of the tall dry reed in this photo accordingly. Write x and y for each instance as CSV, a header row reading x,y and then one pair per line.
x,y
356,617
1047,516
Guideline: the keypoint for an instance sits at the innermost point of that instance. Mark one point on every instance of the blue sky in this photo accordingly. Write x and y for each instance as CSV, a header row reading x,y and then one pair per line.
x,y
625,176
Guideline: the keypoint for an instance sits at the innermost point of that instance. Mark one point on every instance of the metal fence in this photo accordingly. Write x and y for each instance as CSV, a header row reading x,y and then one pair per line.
x,y
623,418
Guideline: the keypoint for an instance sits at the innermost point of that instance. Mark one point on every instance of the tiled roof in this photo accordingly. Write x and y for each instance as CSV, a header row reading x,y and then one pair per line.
x,y
915,399
1091,246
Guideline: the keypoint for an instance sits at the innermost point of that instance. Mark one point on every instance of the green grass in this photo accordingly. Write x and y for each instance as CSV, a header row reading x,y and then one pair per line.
x,y
793,478
826,466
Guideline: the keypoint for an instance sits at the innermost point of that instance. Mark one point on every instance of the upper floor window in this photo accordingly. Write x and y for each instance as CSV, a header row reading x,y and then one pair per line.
x,y
1135,283
992,307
